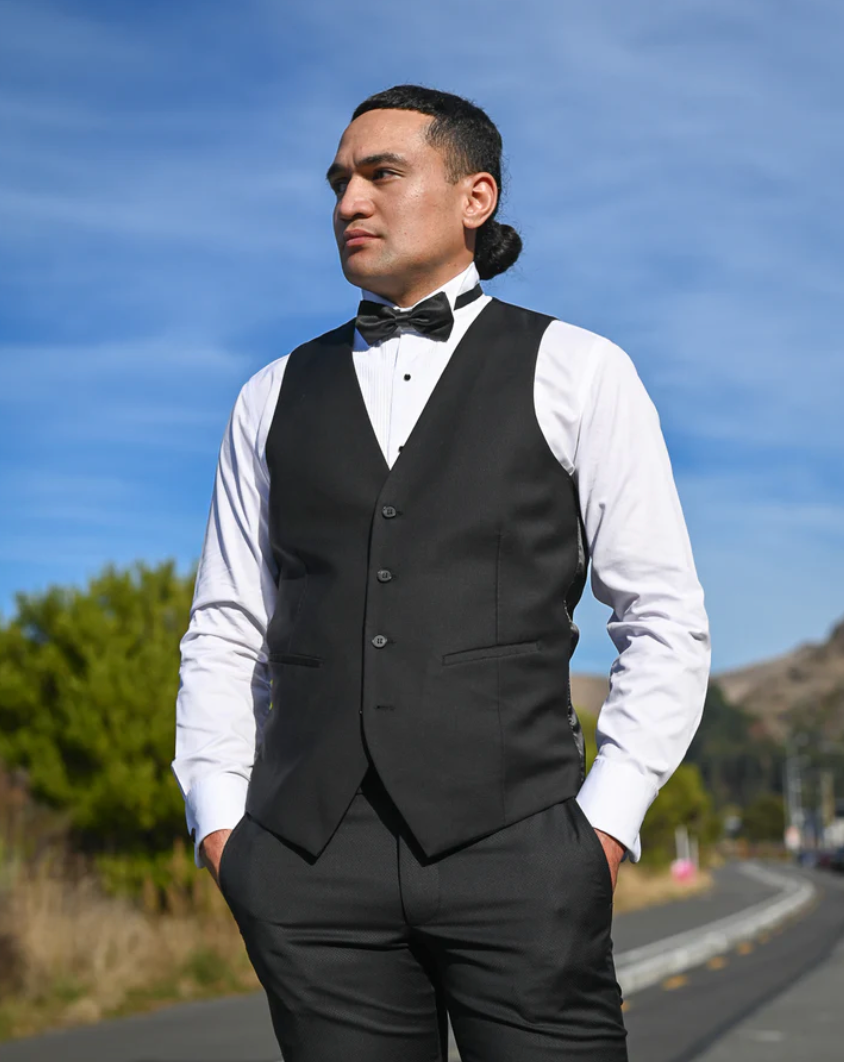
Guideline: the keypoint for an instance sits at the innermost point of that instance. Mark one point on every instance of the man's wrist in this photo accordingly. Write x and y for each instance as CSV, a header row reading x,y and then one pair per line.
x,y
615,798
613,843
211,850
215,802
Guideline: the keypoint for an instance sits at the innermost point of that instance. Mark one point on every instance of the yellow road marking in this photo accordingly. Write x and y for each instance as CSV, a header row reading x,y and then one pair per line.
x,y
717,962
745,948
675,982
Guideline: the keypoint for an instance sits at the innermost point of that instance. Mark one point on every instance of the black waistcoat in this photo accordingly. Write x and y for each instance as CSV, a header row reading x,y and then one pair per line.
x,y
423,620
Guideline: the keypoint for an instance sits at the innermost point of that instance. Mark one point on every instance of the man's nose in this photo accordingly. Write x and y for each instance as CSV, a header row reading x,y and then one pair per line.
x,y
355,201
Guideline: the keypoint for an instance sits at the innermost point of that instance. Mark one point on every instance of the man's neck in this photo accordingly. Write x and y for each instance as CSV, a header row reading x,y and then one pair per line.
x,y
409,295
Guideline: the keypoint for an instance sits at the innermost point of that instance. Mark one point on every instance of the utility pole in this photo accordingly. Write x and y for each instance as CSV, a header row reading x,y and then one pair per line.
x,y
793,788
827,808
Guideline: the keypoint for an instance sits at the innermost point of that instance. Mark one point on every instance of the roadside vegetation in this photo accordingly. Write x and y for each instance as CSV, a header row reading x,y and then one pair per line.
x,y
102,910
71,953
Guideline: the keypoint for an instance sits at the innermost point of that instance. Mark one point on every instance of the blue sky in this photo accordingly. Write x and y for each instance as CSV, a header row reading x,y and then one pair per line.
x,y
675,169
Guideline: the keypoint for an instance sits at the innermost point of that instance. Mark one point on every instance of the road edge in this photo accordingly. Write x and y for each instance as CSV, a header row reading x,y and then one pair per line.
x,y
646,966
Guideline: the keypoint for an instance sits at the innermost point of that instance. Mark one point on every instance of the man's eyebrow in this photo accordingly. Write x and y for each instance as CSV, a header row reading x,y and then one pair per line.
x,y
371,160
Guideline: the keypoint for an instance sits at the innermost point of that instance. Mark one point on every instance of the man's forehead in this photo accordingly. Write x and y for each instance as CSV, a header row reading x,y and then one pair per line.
x,y
383,132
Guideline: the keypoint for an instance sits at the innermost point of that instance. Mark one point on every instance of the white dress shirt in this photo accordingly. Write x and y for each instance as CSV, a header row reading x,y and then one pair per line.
x,y
602,427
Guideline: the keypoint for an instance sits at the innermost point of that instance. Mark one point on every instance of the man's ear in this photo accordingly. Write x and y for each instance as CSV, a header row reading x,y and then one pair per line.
x,y
481,199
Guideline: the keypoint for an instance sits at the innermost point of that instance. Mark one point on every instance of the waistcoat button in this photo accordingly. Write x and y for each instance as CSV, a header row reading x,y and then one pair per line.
x,y
384,576
379,641
389,511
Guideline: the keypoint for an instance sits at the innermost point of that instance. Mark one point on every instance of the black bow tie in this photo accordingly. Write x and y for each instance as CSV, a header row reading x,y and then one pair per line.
x,y
431,317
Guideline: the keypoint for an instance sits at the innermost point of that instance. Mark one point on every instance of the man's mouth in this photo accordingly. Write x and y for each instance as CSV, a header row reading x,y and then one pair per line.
x,y
357,237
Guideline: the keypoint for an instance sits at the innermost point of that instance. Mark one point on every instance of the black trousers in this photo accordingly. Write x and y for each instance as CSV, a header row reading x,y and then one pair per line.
x,y
362,950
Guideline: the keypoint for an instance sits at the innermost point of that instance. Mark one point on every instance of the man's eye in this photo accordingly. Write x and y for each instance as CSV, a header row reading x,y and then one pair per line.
x,y
384,173
339,187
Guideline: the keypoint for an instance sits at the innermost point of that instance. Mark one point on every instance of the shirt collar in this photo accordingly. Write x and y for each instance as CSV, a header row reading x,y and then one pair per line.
x,y
464,281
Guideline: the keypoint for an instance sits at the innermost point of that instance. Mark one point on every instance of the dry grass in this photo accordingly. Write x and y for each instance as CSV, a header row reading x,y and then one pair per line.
x,y
71,954
641,887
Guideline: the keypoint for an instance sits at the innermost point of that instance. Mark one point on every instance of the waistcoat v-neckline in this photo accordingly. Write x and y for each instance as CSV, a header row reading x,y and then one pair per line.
x,y
429,410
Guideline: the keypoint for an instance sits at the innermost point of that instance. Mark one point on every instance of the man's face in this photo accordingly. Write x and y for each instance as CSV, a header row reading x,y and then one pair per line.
x,y
398,220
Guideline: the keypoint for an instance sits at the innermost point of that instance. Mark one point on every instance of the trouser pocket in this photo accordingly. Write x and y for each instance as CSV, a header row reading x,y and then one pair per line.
x,y
227,856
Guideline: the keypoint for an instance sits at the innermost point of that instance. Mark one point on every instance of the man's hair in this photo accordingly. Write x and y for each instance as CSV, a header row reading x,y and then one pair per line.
x,y
470,143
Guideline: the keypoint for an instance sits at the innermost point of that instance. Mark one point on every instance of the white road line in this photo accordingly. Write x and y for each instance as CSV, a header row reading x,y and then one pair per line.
x,y
642,967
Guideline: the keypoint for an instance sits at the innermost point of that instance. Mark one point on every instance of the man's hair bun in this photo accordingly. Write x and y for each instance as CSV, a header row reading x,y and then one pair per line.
x,y
497,247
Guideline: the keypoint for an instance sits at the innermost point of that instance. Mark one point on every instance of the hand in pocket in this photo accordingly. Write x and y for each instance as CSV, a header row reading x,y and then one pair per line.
x,y
211,851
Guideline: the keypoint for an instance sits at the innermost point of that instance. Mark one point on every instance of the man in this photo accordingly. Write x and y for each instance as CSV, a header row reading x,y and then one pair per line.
x,y
401,526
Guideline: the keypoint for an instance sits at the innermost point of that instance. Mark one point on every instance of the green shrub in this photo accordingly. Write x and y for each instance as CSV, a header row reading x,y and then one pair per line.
x,y
764,819
88,681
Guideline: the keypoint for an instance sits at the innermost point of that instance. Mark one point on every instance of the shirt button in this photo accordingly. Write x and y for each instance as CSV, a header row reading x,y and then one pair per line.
x,y
379,641
389,511
384,576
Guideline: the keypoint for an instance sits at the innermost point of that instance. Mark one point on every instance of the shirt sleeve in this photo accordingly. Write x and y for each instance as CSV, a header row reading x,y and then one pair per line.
x,y
643,569
224,687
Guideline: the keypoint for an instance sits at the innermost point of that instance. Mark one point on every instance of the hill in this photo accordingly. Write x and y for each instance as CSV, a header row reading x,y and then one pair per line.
x,y
588,692
803,686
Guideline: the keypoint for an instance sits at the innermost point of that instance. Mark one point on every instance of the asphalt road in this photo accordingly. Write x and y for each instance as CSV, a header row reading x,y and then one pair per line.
x,y
734,892
685,1017
803,1022
675,1022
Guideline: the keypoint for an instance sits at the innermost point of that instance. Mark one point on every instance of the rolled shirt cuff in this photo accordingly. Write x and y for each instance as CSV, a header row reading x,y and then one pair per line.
x,y
615,798
215,802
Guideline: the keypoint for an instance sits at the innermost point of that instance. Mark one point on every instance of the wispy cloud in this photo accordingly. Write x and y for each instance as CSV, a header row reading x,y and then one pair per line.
x,y
25,367
674,169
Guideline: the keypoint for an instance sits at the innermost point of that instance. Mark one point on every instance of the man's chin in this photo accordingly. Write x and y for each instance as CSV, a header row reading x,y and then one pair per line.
x,y
360,269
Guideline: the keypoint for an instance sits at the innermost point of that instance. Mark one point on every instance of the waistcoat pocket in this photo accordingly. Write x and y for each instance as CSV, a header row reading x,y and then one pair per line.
x,y
298,659
464,656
